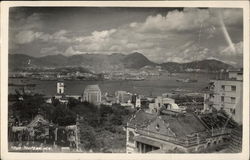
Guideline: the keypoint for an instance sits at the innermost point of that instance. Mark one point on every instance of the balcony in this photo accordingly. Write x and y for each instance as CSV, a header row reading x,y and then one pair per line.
x,y
182,141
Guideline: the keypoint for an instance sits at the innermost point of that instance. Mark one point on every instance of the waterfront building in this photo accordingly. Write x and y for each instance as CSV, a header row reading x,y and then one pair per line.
x,y
60,87
92,94
226,94
61,96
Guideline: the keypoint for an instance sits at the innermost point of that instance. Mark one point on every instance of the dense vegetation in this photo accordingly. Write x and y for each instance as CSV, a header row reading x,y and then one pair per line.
x,y
101,126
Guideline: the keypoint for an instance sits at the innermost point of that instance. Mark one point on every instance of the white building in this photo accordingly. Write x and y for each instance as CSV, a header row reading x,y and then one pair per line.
x,y
138,103
226,94
60,87
160,102
123,96
92,94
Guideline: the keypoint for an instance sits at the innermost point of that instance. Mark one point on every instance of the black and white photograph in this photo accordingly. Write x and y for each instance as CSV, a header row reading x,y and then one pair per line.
x,y
120,79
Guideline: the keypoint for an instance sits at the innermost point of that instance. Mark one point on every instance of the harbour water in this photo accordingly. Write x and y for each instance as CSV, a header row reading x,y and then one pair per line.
x,y
153,86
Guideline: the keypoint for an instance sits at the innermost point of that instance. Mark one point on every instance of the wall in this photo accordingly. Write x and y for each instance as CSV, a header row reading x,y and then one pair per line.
x,y
228,104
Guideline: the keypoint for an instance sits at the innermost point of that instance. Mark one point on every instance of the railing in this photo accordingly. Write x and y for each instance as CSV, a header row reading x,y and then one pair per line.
x,y
221,131
187,141
199,138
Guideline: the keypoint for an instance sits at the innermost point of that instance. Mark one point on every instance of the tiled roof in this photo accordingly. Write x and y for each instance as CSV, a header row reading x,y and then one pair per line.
x,y
184,125
141,119
181,125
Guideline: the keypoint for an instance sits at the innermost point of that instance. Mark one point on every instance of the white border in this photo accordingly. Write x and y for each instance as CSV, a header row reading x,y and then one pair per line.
x,y
4,80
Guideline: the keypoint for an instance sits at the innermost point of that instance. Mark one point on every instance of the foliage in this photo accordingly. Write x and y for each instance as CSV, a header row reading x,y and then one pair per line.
x,y
88,139
72,102
63,116
27,108
102,126
31,105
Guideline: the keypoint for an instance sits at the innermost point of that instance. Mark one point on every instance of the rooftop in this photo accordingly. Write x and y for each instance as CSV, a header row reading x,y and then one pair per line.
x,y
219,120
184,125
92,87
141,119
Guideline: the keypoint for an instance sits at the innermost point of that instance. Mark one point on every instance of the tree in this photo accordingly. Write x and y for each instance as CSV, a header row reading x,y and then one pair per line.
x,y
116,119
72,102
87,134
63,116
27,108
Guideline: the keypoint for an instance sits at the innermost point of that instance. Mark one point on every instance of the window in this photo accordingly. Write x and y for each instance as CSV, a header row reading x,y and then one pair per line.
x,y
233,99
211,95
131,137
157,127
232,110
223,87
233,88
222,98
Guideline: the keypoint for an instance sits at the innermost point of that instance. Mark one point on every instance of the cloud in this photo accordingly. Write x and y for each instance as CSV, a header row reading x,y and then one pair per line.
x,y
160,36
28,36
71,51
60,37
238,49
179,36
57,37
185,20
190,19
21,22
24,37
49,50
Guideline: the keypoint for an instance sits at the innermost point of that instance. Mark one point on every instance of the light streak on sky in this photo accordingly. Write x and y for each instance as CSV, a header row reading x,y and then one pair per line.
x,y
225,32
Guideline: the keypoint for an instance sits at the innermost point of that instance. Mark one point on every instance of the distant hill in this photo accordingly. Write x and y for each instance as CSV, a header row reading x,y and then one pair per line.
x,y
102,62
136,60
17,61
206,65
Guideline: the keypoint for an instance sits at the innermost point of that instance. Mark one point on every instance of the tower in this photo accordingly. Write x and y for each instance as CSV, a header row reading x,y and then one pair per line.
x,y
60,87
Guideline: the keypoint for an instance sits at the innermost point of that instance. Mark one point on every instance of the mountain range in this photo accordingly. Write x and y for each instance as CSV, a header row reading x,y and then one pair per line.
x,y
115,61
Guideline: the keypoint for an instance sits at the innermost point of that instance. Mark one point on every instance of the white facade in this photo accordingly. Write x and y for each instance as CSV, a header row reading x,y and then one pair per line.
x,y
227,95
60,88
138,103
236,75
169,103
123,96
92,94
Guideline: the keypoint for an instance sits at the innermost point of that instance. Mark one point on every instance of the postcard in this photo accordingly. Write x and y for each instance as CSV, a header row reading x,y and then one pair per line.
x,y
125,80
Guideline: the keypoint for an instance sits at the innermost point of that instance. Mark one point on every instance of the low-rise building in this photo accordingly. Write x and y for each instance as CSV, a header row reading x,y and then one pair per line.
x,y
165,102
174,132
123,96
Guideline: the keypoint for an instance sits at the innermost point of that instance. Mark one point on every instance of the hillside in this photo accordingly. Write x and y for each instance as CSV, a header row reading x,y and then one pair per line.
x,y
206,65
136,60
102,62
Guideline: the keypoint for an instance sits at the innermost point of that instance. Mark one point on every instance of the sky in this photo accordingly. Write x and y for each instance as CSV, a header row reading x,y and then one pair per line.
x,y
161,34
